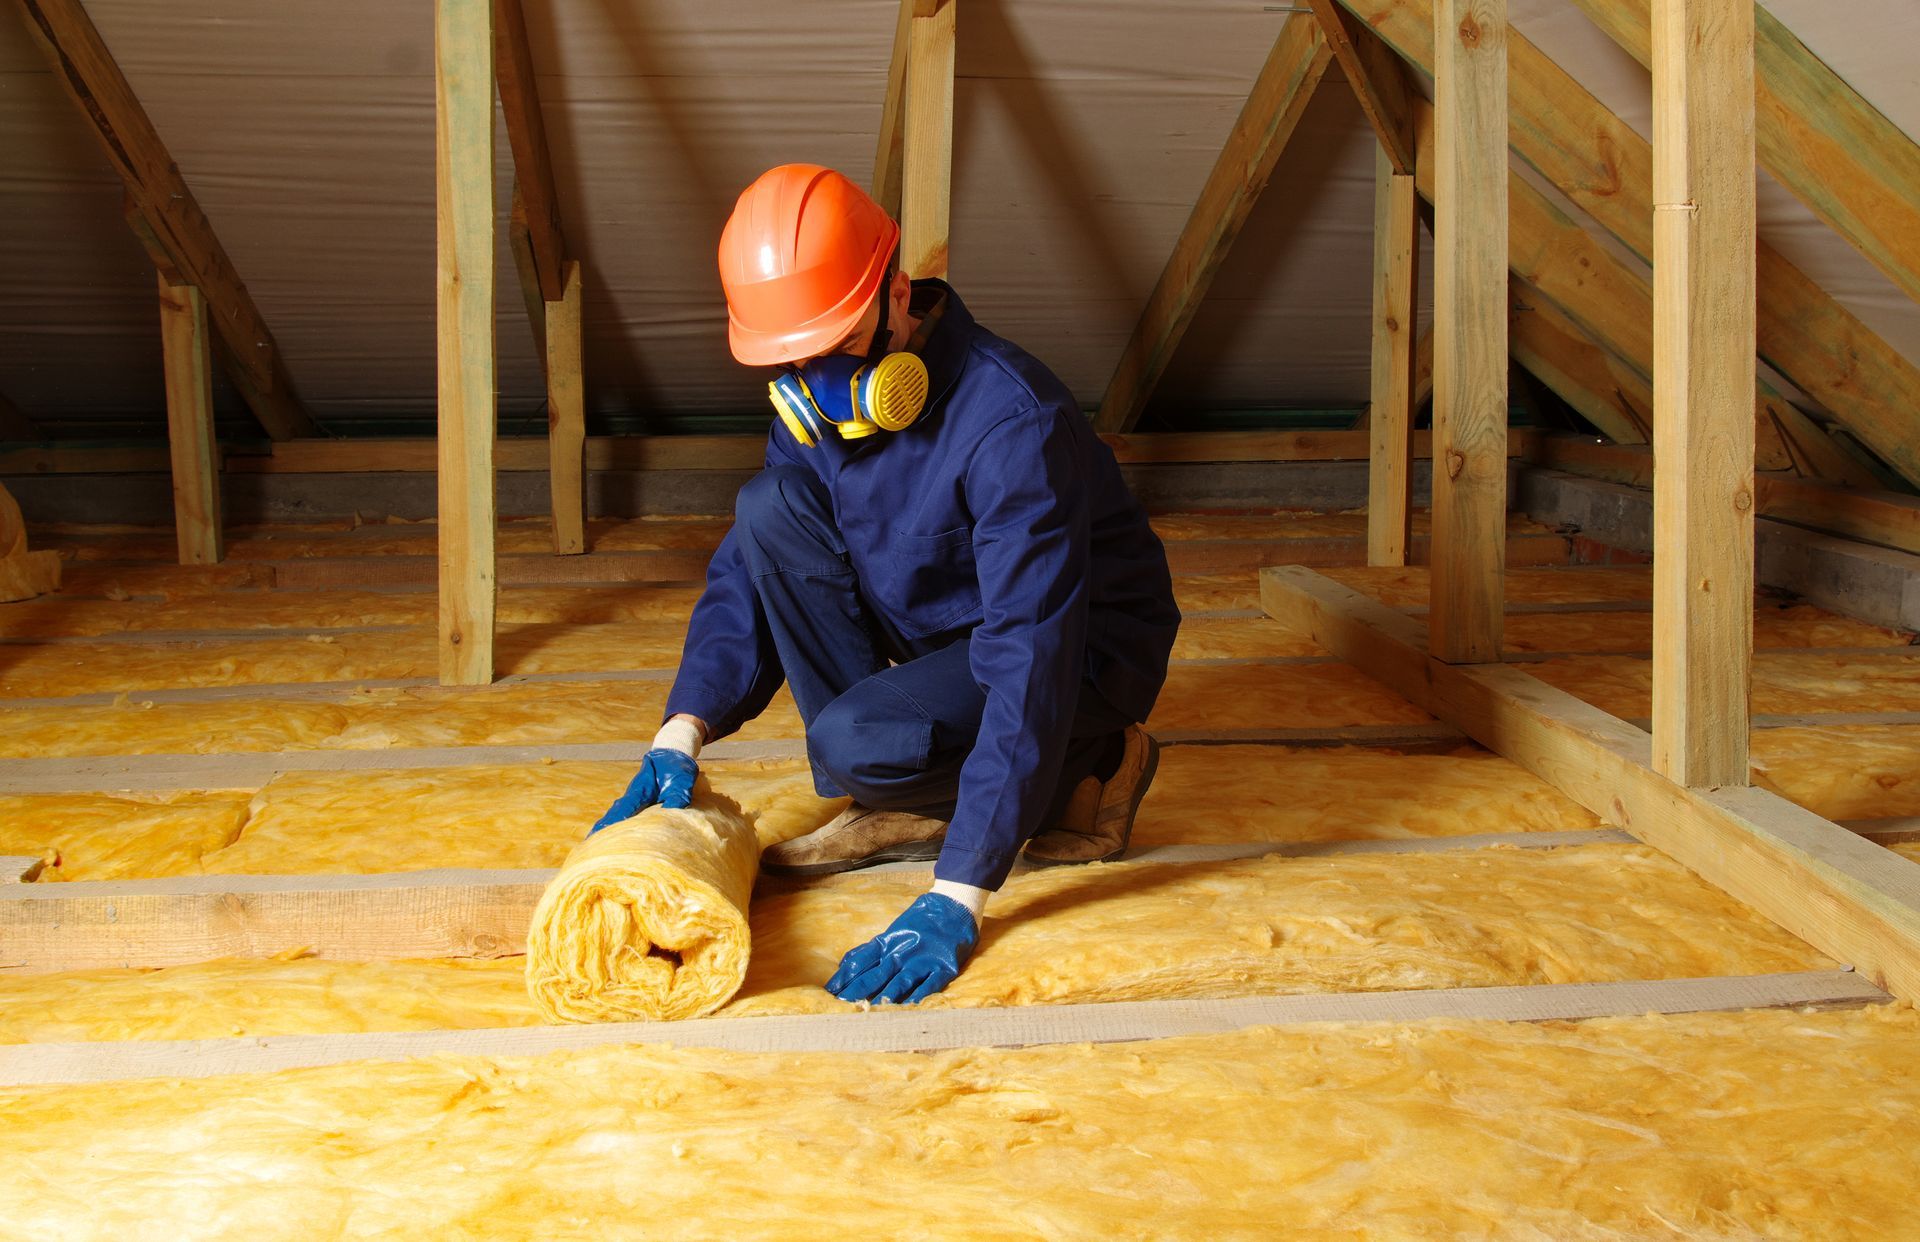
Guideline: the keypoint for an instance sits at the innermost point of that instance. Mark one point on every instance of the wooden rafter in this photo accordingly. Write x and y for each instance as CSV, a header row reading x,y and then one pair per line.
x,y
527,136
1605,167
1279,97
1378,78
1853,167
927,162
165,214
1703,315
1846,896
890,150
1612,396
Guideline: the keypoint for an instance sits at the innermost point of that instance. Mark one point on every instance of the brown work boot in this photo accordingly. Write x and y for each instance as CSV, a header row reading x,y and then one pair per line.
x,y
1099,818
857,837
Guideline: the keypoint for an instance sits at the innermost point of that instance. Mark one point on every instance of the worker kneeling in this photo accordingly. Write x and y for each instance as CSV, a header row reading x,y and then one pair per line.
x,y
943,562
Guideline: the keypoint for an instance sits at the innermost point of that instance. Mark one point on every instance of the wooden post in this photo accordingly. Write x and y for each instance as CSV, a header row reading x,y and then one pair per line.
x,y
463,167
566,418
188,357
1703,350
1396,256
926,191
1470,328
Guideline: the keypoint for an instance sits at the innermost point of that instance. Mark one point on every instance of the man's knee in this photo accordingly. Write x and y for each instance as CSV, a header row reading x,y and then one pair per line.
x,y
872,742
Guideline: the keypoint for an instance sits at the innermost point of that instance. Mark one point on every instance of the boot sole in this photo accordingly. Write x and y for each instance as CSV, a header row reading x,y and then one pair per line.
x,y
1133,810
906,851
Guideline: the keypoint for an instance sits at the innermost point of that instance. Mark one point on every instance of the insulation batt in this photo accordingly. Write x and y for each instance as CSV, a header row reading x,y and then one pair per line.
x,y
1195,697
65,668
1784,682
1122,931
1724,1127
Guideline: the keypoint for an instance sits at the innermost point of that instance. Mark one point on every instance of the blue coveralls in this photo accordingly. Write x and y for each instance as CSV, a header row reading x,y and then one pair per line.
x,y
968,611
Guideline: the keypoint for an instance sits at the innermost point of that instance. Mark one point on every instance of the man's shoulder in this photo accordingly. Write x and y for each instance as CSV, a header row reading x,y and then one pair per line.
x,y
1002,370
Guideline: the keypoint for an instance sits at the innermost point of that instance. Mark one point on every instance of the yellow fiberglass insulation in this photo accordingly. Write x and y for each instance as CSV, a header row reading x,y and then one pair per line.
x,y
647,919
1842,772
1784,682
128,836
1699,1126
1773,627
1122,931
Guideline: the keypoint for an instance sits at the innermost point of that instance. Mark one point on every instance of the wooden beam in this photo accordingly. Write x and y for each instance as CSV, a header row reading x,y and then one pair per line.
x,y
566,419
527,137
1378,78
1396,258
1469,328
14,423
1612,396
527,274
1889,519
1851,899
463,165
194,454
1703,376
1279,97
927,162
170,217
899,1028
1605,167
1853,167
889,152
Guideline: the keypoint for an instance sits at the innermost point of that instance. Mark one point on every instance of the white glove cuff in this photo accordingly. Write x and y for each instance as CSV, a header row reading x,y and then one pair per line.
x,y
974,899
679,734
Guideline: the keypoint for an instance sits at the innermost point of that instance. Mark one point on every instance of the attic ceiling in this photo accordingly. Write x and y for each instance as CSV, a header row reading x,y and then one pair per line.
x,y
1083,133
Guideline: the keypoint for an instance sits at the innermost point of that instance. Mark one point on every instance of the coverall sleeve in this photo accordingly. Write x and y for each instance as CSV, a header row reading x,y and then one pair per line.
x,y
729,670
1031,549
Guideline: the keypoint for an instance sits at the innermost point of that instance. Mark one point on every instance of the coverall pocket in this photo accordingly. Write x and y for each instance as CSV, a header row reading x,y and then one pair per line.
x,y
930,581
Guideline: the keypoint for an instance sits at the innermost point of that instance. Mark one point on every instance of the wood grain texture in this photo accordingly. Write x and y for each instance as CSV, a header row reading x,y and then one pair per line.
x,y
1279,97
927,161
1611,395
527,137
1469,327
1855,169
463,166
890,145
1396,257
1851,899
1703,355
526,271
1378,78
566,418
193,454
910,1029
1597,160
170,218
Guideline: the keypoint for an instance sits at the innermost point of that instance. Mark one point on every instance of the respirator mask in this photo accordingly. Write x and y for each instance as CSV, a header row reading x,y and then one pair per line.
x,y
855,396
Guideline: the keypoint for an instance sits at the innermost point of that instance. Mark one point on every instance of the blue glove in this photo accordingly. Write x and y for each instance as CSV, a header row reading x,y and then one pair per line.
x,y
919,954
666,776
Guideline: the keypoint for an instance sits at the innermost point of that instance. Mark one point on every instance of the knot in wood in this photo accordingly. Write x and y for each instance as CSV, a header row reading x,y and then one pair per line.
x,y
1743,500
1456,462
1470,31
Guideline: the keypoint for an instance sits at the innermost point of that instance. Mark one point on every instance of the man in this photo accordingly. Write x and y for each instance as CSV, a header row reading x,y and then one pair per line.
x,y
942,561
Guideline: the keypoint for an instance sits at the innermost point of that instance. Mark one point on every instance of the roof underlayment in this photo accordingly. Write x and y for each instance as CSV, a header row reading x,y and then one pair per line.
x,y
1083,133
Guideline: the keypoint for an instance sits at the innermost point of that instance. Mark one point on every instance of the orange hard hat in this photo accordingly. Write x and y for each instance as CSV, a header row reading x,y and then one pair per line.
x,y
800,259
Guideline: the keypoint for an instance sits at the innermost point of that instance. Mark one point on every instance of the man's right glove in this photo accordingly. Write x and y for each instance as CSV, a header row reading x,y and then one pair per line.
x,y
666,776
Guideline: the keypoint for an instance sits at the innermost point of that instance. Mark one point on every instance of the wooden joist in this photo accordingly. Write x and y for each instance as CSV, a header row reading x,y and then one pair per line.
x,y
1606,168
1396,258
1378,78
1279,97
463,166
1857,171
1469,328
915,1029
1886,518
167,218
1846,896
188,359
1703,313
927,160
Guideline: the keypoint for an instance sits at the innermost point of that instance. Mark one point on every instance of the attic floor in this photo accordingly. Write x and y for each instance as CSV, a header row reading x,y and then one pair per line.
x,y
1762,1123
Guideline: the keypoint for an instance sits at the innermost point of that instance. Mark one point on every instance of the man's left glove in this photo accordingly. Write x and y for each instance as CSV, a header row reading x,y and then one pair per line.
x,y
666,776
919,954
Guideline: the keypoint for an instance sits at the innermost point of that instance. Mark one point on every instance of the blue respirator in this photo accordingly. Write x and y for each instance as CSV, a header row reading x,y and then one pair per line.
x,y
856,396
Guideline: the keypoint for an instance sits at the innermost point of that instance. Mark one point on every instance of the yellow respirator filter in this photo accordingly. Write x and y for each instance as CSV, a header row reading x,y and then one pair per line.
x,y
892,392
885,396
